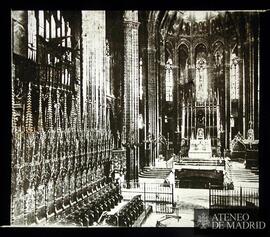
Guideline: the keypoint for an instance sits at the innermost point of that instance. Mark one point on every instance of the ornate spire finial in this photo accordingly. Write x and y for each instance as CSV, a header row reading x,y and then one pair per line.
x,y
49,111
57,112
79,116
13,100
73,114
40,115
107,47
65,112
250,124
29,118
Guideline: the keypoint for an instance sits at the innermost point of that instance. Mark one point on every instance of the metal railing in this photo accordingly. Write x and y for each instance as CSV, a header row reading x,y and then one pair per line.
x,y
239,197
159,194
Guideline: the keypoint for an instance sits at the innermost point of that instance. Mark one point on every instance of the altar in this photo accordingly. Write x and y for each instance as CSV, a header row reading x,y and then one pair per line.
x,y
200,147
200,168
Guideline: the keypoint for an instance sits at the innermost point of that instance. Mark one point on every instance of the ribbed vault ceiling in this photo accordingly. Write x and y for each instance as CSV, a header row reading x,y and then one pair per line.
x,y
173,22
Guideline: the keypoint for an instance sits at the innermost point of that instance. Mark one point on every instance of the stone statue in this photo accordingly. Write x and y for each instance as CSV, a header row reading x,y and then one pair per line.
x,y
200,133
250,133
118,139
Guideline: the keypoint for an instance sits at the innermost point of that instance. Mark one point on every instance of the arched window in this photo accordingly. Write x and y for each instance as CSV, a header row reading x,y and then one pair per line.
x,y
53,27
219,57
32,32
169,81
41,23
234,79
201,80
183,63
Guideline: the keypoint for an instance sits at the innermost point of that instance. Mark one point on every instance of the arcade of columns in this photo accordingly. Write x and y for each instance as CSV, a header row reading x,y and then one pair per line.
x,y
225,35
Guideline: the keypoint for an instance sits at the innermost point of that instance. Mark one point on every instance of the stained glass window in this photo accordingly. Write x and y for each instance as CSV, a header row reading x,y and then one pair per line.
x,y
169,81
234,80
58,24
32,35
47,29
53,27
201,80
41,23
63,28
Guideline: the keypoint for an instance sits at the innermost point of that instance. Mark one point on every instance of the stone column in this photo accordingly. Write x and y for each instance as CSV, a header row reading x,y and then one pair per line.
x,y
249,74
241,85
183,121
145,161
131,91
93,89
93,44
256,78
245,87
243,95
162,94
192,66
218,115
227,99
153,103
252,87
176,101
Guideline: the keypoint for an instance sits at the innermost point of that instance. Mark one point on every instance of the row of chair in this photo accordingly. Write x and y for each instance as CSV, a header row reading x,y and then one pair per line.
x,y
104,199
128,214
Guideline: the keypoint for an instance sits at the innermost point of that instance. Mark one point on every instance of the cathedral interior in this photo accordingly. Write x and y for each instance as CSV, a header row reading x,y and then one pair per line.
x,y
106,104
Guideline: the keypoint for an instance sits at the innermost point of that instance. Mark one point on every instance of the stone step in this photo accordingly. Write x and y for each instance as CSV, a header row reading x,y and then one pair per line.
x,y
158,173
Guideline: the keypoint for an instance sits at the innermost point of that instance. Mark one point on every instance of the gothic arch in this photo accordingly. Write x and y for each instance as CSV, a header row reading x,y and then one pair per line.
x,y
200,47
201,61
183,62
152,21
230,23
183,42
199,42
219,40
169,48
183,45
218,49
165,22
153,16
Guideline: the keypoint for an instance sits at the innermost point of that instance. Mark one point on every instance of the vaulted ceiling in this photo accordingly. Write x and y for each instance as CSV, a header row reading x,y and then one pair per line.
x,y
173,20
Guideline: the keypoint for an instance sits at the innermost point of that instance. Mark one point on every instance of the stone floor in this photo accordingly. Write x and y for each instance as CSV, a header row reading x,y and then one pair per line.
x,y
189,199
243,177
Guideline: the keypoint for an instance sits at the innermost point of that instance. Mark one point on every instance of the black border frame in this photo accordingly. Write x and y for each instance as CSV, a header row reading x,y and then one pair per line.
x,y
5,116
